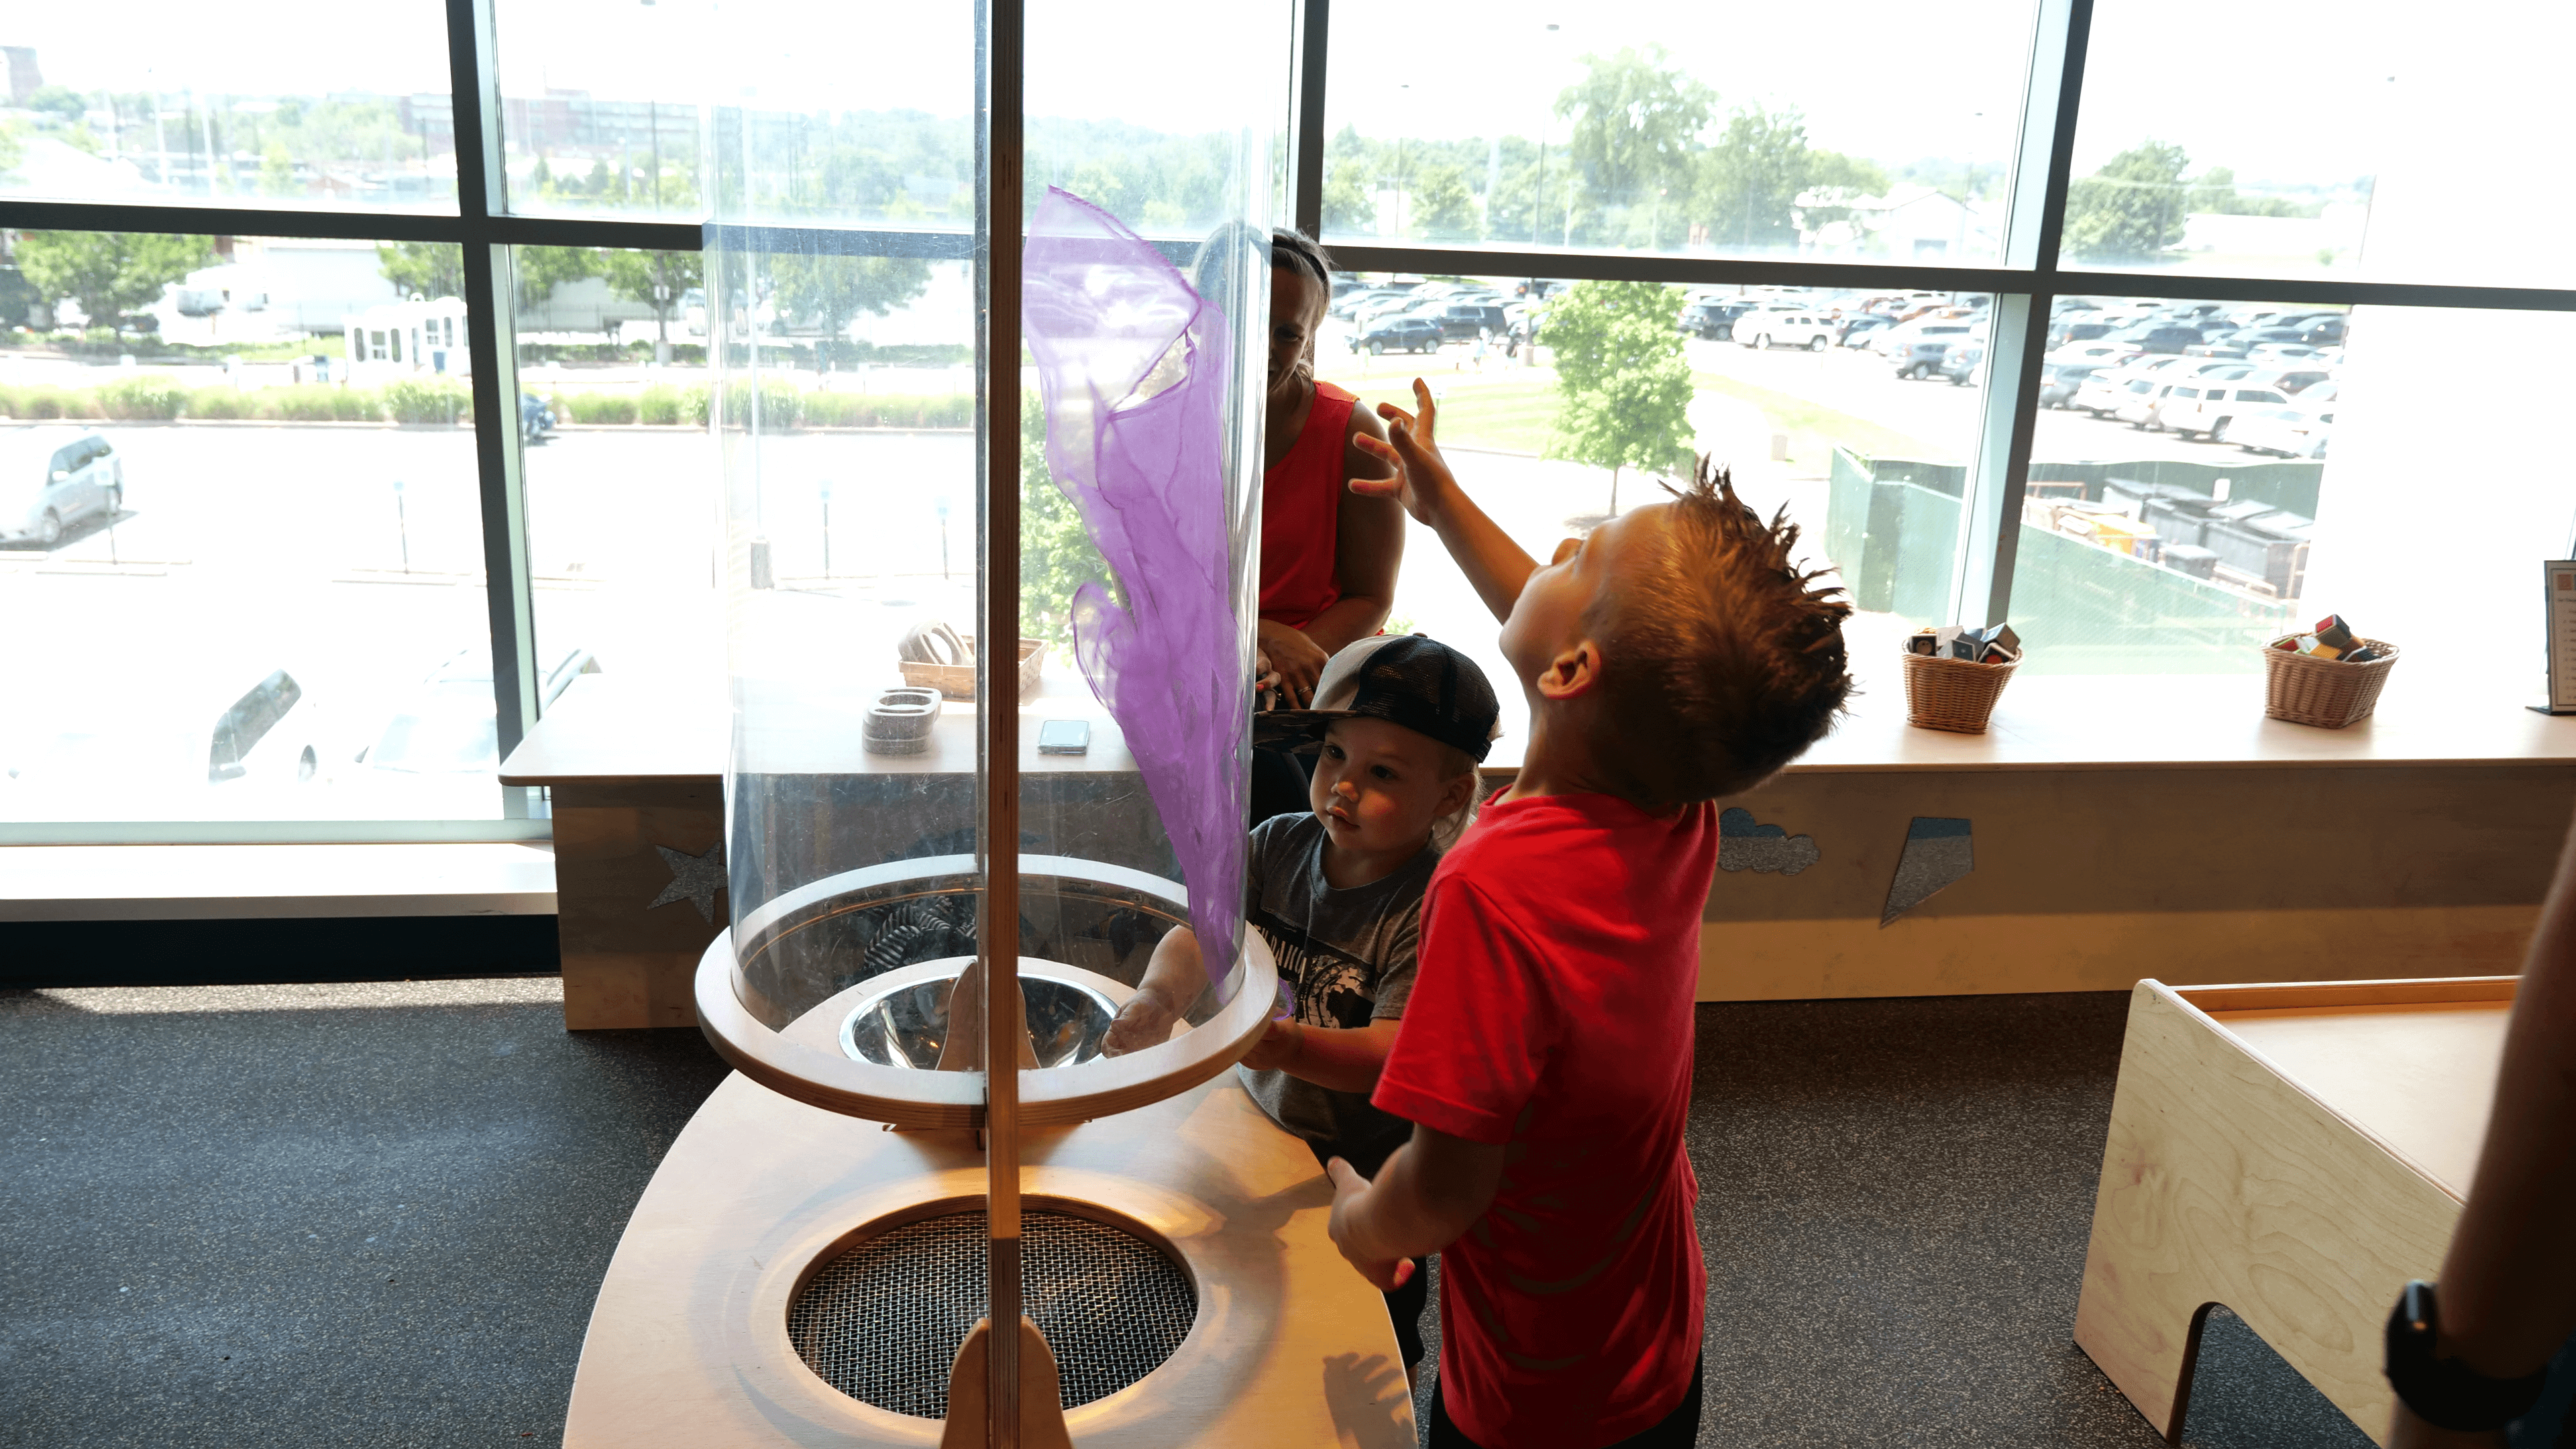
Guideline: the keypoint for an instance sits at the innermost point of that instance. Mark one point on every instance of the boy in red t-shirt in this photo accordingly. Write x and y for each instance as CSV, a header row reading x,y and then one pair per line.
x,y
1672,657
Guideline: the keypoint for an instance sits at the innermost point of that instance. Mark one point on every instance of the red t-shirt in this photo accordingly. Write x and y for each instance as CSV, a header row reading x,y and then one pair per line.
x,y
1551,1012
1301,514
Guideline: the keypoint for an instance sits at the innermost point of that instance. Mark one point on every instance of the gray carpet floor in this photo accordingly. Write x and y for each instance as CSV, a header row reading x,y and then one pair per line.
x,y
376,1215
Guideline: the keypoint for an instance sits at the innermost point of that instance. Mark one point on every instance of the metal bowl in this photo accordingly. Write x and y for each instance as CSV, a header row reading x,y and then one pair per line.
x,y
904,1024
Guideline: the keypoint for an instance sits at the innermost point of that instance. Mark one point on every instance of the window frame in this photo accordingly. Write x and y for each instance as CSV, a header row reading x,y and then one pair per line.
x,y
2024,284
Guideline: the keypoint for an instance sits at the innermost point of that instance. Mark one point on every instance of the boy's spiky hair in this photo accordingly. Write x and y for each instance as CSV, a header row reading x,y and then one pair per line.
x,y
1724,661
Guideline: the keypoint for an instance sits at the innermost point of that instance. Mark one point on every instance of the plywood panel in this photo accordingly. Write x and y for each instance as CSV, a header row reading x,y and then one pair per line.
x,y
2417,1079
688,1346
2225,1181
627,962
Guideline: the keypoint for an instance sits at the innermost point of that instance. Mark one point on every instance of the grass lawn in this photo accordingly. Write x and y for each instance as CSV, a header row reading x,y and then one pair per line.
x,y
1815,430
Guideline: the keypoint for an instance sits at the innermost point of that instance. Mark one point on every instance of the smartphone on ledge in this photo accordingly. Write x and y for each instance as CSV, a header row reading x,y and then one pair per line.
x,y
1064,737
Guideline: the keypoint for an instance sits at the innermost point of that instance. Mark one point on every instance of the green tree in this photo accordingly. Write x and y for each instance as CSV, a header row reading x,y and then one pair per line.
x,y
277,173
1748,183
1443,208
11,151
655,279
1625,385
109,273
1057,555
1530,205
542,269
2131,209
59,101
2214,190
1637,119
831,292
430,269
1348,207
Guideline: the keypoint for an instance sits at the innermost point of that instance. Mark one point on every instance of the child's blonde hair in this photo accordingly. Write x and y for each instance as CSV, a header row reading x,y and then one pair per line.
x,y
1447,829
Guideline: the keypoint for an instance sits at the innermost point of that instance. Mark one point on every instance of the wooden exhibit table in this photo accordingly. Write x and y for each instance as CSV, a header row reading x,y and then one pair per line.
x,y
688,1344
635,767
2295,1152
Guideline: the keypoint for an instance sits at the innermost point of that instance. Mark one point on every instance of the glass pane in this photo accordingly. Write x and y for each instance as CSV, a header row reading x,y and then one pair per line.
x,y
2177,487
792,145
600,104
620,473
293,107
241,537
2354,158
1612,127
1858,412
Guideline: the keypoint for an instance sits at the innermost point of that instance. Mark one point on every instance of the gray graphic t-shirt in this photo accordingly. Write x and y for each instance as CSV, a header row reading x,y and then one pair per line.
x,y
1349,955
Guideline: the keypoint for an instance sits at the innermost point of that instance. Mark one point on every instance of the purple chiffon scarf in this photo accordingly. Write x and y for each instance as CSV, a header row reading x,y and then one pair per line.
x,y
1131,364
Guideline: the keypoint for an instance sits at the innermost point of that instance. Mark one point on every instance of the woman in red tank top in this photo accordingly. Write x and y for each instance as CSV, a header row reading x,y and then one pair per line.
x,y
1328,556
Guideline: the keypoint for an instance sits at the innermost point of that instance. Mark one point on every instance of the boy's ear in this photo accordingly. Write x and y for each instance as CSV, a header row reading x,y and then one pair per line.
x,y
1573,672
1455,795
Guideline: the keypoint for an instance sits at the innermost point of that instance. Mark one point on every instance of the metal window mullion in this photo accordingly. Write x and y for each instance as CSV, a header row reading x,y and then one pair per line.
x,y
480,182
2017,326
1306,155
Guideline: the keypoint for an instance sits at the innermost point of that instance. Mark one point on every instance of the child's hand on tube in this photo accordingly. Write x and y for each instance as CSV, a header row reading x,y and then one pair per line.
x,y
1146,1020
1422,481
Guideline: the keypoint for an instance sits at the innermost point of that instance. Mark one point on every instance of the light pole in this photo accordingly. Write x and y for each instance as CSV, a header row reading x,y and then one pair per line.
x,y
826,490
942,507
402,525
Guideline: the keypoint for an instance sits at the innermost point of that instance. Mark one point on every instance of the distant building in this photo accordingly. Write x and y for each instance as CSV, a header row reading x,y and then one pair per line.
x,y
406,339
1909,224
275,289
24,79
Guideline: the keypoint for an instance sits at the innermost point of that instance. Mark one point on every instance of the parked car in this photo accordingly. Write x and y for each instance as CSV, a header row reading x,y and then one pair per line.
x,y
1348,304
1466,321
1399,334
2290,432
52,478
2086,330
2140,405
188,719
1921,357
2324,332
1810,330
2106,392
2158,336
2276,354
2097,354
2293,380
2058,381
2211,408
536,420
1961,363
448,727
1715,320
1860,327
1945,330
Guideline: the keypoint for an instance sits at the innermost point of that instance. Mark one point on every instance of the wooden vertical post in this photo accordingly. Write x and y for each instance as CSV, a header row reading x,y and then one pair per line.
x,y
997,634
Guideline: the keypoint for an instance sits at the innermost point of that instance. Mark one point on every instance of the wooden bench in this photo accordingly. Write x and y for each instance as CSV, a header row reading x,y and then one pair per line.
x,y
2295,1152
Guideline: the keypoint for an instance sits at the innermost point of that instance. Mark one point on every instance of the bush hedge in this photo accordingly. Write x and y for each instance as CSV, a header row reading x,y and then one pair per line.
x,y
154,397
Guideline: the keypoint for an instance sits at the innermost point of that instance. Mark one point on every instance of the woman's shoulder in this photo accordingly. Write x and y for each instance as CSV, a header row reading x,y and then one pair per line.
x,y
1333,392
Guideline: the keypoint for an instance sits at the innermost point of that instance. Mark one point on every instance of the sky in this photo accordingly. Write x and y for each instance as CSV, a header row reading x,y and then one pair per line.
x,y
2279,90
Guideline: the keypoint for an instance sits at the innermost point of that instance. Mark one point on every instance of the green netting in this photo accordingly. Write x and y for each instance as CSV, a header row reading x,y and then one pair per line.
x,y
1892,528
2081,609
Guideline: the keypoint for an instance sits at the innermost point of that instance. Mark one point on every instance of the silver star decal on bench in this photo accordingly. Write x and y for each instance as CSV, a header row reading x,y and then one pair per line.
x,y
694,878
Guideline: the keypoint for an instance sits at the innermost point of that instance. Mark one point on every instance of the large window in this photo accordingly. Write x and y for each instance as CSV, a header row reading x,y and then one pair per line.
x,y
310,526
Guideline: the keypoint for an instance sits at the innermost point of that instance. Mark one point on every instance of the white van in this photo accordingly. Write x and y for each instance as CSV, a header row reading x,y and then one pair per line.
x,y
52,478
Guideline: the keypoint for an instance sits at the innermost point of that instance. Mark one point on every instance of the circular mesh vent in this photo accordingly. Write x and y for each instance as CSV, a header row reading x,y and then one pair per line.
x,y
882,1322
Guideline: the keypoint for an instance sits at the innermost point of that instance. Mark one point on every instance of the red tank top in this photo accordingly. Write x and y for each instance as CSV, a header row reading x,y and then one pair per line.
x,y
1301,509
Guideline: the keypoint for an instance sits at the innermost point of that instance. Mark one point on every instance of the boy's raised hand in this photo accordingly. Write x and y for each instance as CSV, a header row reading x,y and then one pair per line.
x,y
1422,481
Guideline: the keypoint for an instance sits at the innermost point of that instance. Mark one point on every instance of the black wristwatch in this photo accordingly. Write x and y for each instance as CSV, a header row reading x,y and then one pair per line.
x,y
2445,1392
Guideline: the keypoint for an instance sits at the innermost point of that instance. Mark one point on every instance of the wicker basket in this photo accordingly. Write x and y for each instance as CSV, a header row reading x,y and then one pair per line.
x,y
2328,693
1952,694
957,681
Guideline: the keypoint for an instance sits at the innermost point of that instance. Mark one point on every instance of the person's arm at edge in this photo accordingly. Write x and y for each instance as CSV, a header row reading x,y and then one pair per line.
x,y
1368,547
2508,1283
1431,1190
1427,489
1338,1059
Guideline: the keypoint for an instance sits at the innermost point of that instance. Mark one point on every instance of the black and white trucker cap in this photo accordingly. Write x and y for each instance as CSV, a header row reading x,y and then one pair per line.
x,y
1406,679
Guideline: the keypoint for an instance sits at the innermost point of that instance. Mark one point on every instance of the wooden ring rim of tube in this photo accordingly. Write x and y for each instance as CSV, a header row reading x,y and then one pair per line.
x,y
912,1098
